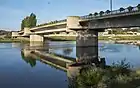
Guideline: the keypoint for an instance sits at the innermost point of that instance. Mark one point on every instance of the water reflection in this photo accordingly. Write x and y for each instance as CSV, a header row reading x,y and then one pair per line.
x,y
139,47
28,58
67,51
83,54
87,55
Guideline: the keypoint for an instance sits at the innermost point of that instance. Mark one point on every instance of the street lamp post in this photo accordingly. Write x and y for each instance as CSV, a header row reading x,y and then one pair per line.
x,y
111,5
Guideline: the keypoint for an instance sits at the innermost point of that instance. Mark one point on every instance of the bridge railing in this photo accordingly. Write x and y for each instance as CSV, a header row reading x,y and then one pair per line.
x,y
114,12
52,22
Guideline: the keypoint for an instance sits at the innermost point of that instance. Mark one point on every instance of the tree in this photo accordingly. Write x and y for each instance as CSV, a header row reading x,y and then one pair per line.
x,y
121,9
138,6
108,11
22,25
95,14
90,14
32,20
29,21
101,13
130,8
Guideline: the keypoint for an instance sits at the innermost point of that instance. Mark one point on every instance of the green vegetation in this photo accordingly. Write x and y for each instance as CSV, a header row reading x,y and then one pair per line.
x,y
121,9
95,14
29,21
130,8
5,37
73,38
29,59
101,13
90,14
119,75
62,38
51,22
138,6
5,34
119,38
9,40
108,11
103,38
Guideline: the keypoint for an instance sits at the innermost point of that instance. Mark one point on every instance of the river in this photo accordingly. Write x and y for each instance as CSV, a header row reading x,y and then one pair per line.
x,y
18,72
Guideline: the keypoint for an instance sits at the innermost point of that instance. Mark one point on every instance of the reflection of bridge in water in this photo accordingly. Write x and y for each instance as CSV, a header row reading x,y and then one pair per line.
x,y
32,54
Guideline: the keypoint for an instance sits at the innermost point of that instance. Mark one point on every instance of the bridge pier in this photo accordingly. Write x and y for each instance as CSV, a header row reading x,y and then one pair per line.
x,y
87,38
36,38
87,47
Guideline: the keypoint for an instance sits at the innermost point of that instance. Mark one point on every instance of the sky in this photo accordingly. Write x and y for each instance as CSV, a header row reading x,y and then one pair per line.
x,y
13,11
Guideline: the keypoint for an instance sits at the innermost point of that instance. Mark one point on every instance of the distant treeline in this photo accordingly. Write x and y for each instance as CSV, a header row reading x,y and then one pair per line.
x,y
6,34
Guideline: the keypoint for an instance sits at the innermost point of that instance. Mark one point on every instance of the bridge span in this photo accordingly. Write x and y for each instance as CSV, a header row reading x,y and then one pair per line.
x,y
86,28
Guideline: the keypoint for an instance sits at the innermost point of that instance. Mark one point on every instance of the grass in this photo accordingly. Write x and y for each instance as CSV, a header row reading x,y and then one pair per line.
x,y
9,40
73,38
119,38
62,38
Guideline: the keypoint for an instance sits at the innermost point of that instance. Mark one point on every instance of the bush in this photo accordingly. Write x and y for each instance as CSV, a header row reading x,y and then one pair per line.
x,y
121,68
118,75
130,8
101,13
90,77
121,9
108,11
138,6
95,14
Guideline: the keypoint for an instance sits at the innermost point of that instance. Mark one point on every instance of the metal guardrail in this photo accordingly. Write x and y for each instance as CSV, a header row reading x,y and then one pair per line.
x,y
114,12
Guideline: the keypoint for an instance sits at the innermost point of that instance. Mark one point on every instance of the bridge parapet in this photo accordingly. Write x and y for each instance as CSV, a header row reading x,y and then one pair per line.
x,y
52,22
47,26
114,13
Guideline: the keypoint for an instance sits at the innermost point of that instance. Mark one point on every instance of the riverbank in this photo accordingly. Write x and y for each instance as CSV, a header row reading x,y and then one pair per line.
x,y
135,40
62,38
119,37
9,40
131,42
73,38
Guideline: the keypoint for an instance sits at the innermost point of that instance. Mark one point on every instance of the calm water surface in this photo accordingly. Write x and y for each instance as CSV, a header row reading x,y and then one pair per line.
x,y
17,72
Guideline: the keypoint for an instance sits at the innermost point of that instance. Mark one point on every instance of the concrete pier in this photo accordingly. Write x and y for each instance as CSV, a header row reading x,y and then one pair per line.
x,y
87,46
36,38
87,38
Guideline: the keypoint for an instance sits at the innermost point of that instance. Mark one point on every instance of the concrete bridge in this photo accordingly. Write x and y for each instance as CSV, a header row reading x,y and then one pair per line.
x,y
86,28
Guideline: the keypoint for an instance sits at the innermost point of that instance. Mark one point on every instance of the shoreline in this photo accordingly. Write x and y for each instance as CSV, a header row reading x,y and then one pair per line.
x,y
135,40
13,41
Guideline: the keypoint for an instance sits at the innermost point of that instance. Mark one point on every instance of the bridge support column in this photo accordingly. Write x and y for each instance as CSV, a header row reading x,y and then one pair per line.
x,y
87,38
87,47
36,38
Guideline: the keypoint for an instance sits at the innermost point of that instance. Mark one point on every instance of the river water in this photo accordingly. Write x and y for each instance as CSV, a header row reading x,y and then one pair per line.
x,y
18,72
